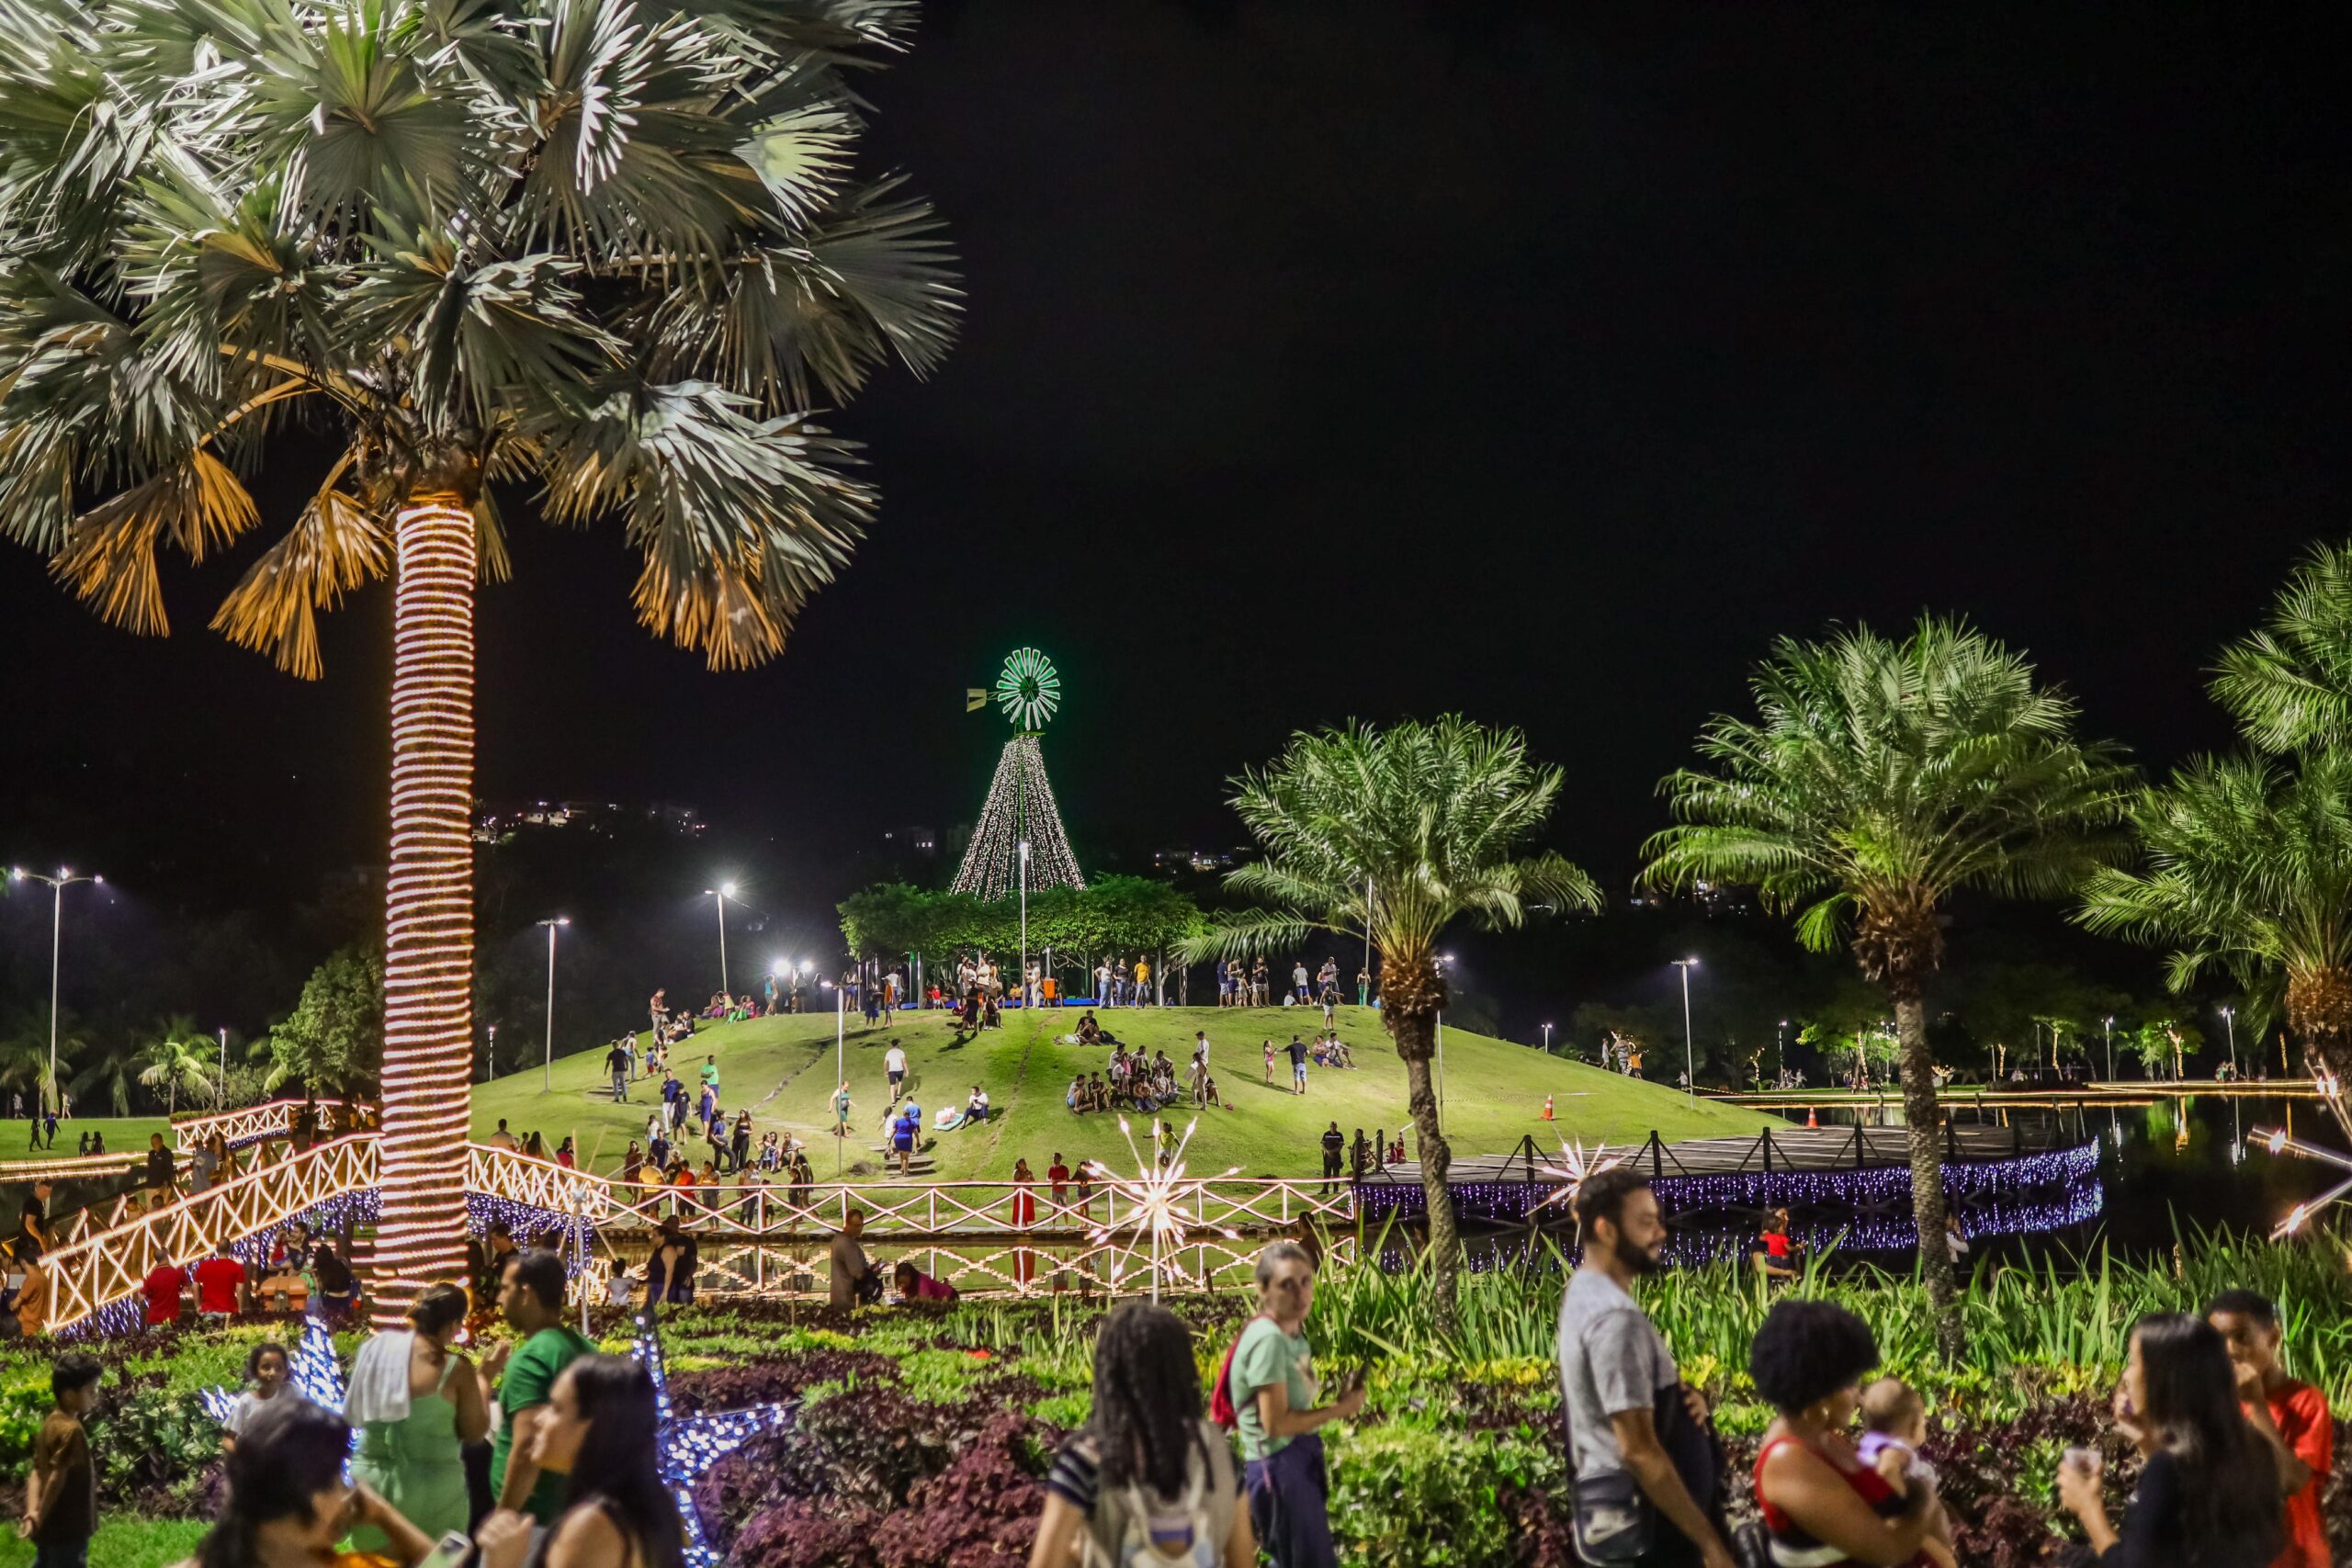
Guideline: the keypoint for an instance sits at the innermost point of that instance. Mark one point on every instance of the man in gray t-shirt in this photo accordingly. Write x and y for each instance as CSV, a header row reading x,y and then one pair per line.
x,y
1616,1373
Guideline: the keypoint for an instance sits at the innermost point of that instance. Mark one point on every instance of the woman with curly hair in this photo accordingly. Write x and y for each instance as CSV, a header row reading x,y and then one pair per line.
x,y
2209,1493
1147,1479
1823,1506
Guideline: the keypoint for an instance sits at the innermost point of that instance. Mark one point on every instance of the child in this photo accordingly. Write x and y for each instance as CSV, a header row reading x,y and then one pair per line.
x,y
62,1495
1894,1423
1270,1061
267,1370
618,1288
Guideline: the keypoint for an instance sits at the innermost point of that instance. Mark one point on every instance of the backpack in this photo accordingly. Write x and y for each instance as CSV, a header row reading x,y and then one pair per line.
x,y
1221,1406
1118,1529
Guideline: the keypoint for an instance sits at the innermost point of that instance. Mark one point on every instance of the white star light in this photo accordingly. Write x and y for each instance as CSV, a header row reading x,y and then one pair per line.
x,y
686,1446
2275,1142
1153,1195
1576,1168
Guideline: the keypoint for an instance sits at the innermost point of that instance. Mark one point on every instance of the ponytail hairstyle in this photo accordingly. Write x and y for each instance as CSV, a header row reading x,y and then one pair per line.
x,y
288,1454
615,1469
1147,1420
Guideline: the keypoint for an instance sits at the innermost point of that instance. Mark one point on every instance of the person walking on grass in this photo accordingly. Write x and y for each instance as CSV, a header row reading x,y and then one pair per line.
x,y
1270,1385
841,1111
617,1063
894,1063
1270,1061
62,1490
1146,1480
1641,1448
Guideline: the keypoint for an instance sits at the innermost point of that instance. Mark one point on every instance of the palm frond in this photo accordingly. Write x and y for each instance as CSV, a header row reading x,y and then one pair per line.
x,y
333,547
109,556
2289,684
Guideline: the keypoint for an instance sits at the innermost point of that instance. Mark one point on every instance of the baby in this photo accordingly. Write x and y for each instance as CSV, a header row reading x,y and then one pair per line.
x,y
1894,1423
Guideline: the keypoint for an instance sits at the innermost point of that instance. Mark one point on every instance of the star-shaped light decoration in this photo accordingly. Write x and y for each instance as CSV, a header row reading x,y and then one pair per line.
x,y
1576,1168
2279,1143
686,1446
1154,1196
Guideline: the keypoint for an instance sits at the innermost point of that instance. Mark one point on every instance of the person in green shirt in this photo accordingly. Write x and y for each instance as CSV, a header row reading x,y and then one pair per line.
x,y
1272,1387
532,1297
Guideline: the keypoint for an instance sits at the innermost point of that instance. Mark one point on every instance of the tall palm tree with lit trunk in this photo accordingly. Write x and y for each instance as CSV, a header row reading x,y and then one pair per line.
x,y
613,248
1877,779
1398,832
2248,869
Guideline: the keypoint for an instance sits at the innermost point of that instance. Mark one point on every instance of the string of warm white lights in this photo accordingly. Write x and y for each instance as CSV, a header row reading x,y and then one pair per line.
x,y
428,918
1155,1216
1020,805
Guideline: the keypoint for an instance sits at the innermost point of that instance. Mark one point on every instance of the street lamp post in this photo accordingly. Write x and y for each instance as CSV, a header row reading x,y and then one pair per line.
x,y
1024,922
1443,960
1547,1040
1690,1049
841,1071
220,1099
2230,1022
547,1081
58,884
723,892
2109,1023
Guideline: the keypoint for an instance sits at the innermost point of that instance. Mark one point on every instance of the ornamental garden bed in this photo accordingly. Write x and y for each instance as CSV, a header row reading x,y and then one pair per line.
x,y
921,1436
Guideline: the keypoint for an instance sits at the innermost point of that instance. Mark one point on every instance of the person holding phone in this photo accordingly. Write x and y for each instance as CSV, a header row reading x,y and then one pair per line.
x,y
288,1503
2209,1493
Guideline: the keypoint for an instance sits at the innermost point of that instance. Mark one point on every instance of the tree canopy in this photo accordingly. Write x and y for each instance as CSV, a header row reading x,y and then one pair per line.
x,y
333,1041
1115,915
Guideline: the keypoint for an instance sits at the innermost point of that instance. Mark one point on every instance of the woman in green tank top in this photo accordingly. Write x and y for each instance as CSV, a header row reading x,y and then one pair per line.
x,y
415,1403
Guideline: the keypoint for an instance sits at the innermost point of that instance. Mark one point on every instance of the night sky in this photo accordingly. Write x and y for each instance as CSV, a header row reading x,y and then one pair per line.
x,y
1372,359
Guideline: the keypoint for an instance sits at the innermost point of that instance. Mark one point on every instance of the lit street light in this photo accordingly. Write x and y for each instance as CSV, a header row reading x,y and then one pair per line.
x,y
1690,1050
1547,1040
58,884
723,892
1025,1000
2229,1021
221,1098
1443,960
547,1083
2110,1048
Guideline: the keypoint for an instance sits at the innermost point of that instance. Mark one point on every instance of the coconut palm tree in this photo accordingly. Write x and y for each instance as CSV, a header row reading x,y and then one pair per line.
x,y
180,1058
2249,869
1877,779
2290,684
613,248
1398,832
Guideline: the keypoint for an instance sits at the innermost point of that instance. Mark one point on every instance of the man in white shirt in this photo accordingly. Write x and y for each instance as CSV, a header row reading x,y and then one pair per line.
x,y
1299,978
1200,1048
894,1062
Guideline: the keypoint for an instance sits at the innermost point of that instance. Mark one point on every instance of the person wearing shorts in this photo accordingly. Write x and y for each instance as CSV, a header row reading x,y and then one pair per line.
x,y
1297,1065
894,1062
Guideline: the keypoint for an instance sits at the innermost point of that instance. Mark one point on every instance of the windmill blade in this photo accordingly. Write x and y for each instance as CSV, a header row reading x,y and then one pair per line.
x,y
975,698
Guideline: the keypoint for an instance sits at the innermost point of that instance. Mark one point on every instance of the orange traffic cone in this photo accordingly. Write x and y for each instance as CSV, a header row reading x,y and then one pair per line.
x,y
1810,1120
1547,1108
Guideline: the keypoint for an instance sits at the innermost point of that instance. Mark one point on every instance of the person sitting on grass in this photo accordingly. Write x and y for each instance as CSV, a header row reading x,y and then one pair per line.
x,y
977,1108
1098,1093
1076,1098
1089,1032
1208,1092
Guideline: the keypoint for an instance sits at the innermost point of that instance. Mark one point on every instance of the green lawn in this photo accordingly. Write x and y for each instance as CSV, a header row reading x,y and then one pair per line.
x,y
121,1542
783,1067
125,1136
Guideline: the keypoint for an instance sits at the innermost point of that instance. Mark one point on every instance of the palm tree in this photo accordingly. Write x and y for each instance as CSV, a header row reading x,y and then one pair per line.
x,y
1877,779
2290,684
181,1058
617,249
1398,831
2249,869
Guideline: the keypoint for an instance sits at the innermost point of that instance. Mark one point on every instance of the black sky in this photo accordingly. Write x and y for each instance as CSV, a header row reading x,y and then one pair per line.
x,y
1376,358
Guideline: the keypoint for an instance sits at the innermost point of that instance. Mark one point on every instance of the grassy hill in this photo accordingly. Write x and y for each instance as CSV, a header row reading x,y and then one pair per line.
x,y
784,1069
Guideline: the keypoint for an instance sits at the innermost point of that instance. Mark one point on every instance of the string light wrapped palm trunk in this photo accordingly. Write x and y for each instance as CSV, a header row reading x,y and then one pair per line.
x,y
428,918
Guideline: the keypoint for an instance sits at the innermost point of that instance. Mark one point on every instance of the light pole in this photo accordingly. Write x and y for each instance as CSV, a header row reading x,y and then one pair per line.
x,y
58,884
1443,960
1025,924
2230,1022
220,1099
723,892
1547,1040
492,1065
2110,1048
547,1084
841,1071
1690,1049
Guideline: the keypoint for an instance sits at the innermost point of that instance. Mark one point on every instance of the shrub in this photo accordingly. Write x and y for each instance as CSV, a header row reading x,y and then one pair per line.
x,y
1392,1482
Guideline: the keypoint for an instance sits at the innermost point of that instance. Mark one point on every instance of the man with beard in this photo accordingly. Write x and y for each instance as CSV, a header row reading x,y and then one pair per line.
x,y
1643,1453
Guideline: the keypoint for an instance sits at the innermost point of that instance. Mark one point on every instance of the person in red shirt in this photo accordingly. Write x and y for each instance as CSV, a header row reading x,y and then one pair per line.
x,y
1058,1174
2292,1416
162,1288
1775,1253
219,1283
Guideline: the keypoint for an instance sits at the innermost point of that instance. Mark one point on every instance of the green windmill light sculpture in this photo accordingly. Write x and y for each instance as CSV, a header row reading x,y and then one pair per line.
x,y
1020,807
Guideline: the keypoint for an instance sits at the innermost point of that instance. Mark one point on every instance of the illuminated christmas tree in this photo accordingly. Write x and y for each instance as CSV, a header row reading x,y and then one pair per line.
x,y
1020,807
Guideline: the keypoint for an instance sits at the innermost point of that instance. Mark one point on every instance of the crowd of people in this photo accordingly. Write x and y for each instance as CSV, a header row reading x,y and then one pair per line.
x,y
2236,1453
